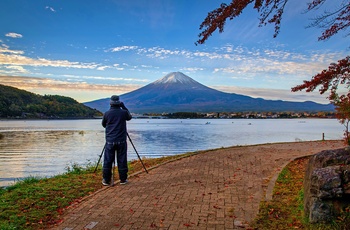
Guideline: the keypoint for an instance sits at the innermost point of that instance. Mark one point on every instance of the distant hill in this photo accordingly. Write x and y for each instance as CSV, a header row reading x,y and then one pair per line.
x,y
177,92
16,103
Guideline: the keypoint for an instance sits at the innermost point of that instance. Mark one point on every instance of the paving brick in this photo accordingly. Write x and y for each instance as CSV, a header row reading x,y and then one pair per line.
x,y
211,190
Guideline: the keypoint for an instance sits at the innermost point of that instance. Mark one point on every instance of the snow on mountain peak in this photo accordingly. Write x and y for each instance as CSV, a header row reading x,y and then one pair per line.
x,y
175,77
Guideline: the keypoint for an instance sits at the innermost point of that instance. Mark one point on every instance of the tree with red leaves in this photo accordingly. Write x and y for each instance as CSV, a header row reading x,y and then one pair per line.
x,y
343,114
271,12
337,74
329,80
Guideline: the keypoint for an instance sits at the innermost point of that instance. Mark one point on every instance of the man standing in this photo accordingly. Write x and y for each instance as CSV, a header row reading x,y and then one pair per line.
x,y
114,121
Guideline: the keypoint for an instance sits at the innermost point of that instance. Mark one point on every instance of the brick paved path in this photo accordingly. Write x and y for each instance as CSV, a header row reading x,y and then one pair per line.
x,y
219,189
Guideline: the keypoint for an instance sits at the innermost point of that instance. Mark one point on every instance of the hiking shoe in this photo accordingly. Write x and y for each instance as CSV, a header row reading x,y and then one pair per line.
x,y
105,183
123,181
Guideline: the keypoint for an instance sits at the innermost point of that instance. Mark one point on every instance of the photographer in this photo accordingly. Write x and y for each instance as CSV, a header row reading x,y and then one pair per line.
x,y
114,122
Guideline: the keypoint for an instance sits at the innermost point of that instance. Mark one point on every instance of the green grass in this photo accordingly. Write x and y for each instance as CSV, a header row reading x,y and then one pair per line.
x,y
37,203
284,176
286,209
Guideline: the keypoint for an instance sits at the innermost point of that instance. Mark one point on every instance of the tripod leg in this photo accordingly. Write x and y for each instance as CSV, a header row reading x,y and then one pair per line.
x,y
99,159
136,152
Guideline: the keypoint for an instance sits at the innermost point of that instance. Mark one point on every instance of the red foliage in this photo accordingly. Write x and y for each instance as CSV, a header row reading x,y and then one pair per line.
x,y
329,79
343,114
333,22
337,73
271,12
216,19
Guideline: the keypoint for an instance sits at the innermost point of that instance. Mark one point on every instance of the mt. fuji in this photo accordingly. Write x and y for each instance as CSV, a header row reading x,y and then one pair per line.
x,y
176,77
177,92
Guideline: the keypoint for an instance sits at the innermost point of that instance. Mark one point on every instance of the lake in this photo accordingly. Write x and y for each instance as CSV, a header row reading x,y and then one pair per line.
x,y
46,147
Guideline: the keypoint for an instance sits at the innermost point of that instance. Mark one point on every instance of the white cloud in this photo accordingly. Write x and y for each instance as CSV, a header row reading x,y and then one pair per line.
x,y
13,35
192,69
160,53
5,50
50,8
241,60
17,57
122,48
117,67
225,70
103,67
275,94
13,69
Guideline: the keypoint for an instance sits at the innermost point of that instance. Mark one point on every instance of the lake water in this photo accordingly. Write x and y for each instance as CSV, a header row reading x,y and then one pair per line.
x,y
46,147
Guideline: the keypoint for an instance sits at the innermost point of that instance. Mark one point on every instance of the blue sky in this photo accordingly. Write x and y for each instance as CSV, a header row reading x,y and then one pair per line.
x,y
92,49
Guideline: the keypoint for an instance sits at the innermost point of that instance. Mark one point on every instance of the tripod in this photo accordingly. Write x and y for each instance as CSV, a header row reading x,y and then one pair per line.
x,y
98,162
99,159
136,152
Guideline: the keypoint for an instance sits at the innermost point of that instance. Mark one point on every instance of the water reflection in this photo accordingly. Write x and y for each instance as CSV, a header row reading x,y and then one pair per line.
x,y
45,153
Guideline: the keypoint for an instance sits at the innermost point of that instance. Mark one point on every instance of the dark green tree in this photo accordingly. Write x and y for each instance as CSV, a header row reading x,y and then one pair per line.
x,y
19,103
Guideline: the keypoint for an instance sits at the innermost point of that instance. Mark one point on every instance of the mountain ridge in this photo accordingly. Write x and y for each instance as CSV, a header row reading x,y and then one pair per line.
x,y
177,92
17,103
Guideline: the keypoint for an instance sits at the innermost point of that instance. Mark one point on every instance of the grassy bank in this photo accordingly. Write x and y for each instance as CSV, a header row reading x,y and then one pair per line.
x,y
36,203
285,210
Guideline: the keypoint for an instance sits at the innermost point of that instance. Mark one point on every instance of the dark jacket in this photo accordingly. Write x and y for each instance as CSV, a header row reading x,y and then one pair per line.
x,y
114,120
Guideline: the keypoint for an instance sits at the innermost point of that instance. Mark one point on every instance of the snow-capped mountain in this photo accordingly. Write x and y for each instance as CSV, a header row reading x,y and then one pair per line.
x,y
177,92
176,77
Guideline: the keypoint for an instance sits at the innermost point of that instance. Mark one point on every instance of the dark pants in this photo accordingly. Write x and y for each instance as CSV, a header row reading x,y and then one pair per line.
x,y
122,162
